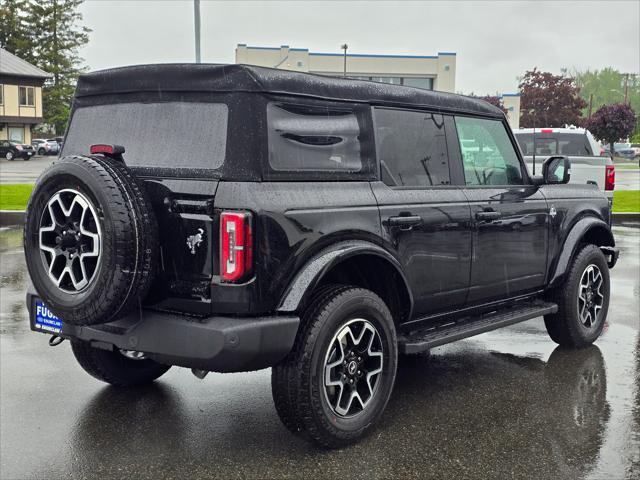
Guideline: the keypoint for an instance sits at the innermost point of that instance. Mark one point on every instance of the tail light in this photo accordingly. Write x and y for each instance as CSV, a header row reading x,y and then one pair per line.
x,y
19,148
610,177
546,130
236,246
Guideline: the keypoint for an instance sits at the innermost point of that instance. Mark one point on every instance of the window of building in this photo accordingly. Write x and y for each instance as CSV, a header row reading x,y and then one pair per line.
x,y
313,138
425,83
412,148
389,80
27,96
487,153
417,82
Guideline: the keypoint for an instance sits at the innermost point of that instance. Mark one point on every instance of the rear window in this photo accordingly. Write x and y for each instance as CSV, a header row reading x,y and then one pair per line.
x,y
313,138
576,144
163,135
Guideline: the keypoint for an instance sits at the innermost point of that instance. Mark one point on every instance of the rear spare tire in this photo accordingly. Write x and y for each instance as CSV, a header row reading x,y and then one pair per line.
x,y
90,239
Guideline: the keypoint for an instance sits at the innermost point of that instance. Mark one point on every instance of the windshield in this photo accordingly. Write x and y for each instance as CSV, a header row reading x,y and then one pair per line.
x,y
576,144
163,135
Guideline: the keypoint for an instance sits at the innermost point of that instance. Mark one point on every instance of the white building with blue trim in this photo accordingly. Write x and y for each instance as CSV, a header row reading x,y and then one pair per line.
x,y
433,72
511,102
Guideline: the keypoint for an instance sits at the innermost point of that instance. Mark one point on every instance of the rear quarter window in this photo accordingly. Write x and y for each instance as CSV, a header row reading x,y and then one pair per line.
x,y
314,138
163,135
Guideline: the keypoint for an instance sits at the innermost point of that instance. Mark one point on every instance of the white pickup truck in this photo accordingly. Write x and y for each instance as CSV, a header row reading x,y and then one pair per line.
x,y
588,160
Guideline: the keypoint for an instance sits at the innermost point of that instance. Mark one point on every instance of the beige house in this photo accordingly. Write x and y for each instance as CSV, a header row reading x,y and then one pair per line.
x,y
433,72
20,97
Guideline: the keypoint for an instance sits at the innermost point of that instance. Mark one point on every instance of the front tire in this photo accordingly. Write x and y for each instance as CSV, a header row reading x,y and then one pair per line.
x,y
336,382
114,368
9,155
583,301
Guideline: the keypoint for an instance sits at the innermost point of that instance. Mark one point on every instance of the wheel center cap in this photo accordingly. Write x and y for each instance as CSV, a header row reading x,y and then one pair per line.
x,y
69,240
352,367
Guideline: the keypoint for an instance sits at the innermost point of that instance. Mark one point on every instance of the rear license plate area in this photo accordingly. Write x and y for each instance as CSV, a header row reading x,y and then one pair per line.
x,y
43,320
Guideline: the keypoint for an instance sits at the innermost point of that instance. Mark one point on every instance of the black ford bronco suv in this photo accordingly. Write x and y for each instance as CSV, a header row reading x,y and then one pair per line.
x,y
233,218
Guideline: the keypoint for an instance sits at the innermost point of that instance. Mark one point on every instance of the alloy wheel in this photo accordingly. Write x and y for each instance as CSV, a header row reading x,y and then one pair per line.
x,y
353,367
70,240
590,295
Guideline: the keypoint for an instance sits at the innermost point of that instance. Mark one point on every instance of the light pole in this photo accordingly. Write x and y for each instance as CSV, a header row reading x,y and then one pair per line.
x,y
196,21
345,47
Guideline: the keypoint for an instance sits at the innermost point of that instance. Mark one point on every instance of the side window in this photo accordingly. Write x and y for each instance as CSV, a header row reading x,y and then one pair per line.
x,y
412,148
487,153
313,138
26,95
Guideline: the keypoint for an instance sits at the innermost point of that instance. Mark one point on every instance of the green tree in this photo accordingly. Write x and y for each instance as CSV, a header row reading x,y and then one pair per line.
x,y
57,28
15,34
607,87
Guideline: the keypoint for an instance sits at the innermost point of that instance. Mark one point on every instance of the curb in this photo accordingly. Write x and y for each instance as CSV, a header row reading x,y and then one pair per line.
x,y
10,218
625,218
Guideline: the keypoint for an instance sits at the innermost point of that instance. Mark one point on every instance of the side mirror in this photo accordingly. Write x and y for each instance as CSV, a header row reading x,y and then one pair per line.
x,y
556,169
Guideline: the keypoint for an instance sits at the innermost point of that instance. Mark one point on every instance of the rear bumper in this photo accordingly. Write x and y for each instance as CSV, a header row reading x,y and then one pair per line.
x,y
219,344
25,154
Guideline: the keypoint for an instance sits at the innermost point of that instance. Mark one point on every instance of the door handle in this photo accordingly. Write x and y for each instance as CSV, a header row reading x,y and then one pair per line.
x,y
404,222
488,215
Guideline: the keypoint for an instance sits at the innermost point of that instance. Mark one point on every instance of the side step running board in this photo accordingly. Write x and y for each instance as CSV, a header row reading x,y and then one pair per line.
x,y
422,340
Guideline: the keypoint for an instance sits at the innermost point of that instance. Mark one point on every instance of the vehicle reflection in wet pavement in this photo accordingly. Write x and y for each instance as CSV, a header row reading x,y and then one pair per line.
x,y
506,404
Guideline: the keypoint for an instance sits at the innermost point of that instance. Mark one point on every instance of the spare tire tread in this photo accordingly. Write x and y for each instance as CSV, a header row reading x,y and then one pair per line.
x,y
132,223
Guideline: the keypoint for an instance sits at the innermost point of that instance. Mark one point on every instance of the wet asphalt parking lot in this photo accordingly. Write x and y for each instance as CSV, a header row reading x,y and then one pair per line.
x,y
506,404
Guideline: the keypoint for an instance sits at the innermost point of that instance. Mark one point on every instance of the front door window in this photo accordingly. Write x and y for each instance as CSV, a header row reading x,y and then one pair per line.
x,y
487,153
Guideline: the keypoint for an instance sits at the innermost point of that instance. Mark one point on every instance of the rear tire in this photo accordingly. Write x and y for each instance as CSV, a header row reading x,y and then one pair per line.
x,y
9,155
42,152
347,339
583,300
114,368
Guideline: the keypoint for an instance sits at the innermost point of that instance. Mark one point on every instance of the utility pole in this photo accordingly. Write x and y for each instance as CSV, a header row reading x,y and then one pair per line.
x,y
196,21
590,105
344,47
626,87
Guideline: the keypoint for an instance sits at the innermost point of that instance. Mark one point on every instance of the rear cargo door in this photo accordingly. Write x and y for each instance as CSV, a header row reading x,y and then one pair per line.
x,y
189,233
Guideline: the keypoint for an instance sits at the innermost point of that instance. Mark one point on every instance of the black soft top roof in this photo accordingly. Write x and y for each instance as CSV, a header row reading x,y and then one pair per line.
x,y
190,77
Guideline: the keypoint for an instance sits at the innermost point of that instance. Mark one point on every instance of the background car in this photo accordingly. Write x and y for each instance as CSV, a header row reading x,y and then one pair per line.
x,y
589,163
56,145
45,147
11,149
628,153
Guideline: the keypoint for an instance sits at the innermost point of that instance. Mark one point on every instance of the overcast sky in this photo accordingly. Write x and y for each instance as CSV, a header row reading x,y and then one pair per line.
x,y
495,42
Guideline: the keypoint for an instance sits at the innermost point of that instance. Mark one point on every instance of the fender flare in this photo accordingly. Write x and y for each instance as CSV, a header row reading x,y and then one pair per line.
x,y
320,264
576,234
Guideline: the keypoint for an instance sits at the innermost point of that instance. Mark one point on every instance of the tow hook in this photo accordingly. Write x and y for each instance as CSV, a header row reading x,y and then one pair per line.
x,y
199,373
55,340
